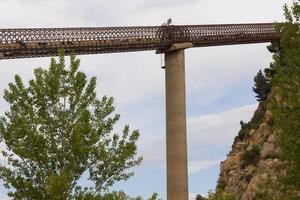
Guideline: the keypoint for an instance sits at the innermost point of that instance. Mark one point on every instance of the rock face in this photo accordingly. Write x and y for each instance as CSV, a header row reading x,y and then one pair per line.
x,y
253,161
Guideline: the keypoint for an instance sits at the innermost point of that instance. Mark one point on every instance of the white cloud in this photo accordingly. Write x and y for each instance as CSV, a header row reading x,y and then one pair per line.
x,y
143,4
215,130
130,78
5,197
218,129
197,166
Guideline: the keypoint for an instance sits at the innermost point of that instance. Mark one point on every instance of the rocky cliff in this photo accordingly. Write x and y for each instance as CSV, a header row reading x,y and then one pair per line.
x,y
264,163
254,164
254,161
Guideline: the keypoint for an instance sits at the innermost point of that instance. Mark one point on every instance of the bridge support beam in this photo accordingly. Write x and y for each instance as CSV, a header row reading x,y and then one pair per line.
x,y
177,170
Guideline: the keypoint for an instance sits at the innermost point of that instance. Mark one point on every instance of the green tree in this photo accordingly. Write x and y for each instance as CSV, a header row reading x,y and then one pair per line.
x,y
276,49
56,131
282,80
285,106
117,196
220,196
262,86
200,197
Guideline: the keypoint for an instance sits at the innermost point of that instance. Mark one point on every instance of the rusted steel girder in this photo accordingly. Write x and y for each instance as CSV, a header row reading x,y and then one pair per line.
x,y
42,42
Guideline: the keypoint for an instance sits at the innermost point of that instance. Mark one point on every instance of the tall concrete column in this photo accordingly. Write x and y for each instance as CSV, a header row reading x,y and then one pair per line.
x,y
177,172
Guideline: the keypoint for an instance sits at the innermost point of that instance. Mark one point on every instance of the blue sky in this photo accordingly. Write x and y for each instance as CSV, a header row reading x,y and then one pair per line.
x,y
218,79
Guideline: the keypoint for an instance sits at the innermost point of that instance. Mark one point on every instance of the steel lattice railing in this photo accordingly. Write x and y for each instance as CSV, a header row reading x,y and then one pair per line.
x,y
40,42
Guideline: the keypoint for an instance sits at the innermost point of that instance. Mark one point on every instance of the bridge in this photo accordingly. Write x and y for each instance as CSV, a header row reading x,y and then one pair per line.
x,y
41,42
170,40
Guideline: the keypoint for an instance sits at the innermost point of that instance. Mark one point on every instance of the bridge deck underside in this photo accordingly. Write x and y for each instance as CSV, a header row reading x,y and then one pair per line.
x,y
25,43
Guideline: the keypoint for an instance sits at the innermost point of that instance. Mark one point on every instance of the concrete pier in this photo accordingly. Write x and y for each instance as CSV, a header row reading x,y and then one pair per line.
x,y
177,171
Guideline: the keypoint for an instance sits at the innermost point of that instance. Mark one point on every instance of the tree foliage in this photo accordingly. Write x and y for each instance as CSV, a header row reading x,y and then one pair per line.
x,y
253,123
220,196
57,131
285,106
282,80
262,86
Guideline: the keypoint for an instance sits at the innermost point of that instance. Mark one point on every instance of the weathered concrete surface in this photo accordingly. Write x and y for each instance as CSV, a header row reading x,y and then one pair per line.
x,y
177,173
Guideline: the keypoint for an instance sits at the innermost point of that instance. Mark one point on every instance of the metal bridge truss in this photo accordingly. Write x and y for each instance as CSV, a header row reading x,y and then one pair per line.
x,y
41,42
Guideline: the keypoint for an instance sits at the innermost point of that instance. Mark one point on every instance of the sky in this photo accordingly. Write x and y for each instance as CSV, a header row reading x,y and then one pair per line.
x,y
219,80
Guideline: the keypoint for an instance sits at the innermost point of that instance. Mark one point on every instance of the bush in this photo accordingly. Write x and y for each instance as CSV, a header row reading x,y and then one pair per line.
x,y
251,157
253,123
220,196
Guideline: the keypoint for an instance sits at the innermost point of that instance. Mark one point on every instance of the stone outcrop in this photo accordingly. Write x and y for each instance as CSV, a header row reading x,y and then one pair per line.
x,y
252,162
